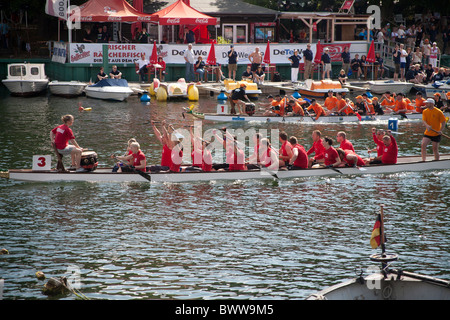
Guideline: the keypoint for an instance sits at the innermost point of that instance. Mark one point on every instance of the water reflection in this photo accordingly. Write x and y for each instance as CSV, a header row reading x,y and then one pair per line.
x,y
205,240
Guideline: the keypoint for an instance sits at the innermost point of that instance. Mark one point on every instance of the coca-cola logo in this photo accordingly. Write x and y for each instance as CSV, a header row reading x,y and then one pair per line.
x,y
114,18
144,18
173,20
201,20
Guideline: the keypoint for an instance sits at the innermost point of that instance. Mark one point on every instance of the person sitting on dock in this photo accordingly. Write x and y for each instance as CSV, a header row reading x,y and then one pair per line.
x,y
434,121
285,152
259,75
61,136
317,148
247,74
345,144
355,65
390,150
141,65
237,97
299,158
342,77
199,68
331,156
330,103
101,74
136,158
317,108
115,73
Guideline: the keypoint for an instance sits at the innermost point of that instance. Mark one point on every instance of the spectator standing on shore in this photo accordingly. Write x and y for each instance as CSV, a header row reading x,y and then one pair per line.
x,y
189,36
426,50
417,56
419,35
325,60
434,52
308,57
232,63
356,65
396,57
88,36
143,37
105,35
295,63
189,59
403,55
256,59
345,57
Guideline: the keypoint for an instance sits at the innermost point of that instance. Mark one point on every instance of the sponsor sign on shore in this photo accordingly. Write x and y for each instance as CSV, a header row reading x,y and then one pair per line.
x,y
173,53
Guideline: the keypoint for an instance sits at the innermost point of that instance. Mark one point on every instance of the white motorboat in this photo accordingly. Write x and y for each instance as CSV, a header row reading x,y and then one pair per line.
x,y
67,88
109,89
385,283
404,164
382,86
26,79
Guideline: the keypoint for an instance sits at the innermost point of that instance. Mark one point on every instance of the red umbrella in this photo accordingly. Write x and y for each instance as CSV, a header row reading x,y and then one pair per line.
x,y
212,56
267,53
318,53
139,6
371,55
154,56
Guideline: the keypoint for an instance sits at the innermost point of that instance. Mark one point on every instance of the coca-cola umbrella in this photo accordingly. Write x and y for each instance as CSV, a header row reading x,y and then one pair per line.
x,y
267,53
317,57
371,55
154,56
211,60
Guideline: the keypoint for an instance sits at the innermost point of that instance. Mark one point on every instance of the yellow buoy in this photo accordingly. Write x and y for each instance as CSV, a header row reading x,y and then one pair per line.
x,y
161,94
193,93
151,90
40,275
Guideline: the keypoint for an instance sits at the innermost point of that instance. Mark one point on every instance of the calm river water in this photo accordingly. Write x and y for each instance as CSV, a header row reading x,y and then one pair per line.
x,y
213,240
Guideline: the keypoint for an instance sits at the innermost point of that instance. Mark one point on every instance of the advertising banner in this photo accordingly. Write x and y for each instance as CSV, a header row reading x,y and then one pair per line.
x,y
173,53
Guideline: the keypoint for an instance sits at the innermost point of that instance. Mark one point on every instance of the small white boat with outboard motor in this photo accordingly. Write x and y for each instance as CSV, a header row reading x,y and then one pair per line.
x,y
67,88
384,282
109,89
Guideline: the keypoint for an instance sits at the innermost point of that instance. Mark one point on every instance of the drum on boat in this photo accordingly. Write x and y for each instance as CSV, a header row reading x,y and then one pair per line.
x,y
89,160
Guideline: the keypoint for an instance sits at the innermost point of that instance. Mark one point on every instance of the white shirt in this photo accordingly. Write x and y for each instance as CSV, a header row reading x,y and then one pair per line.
x,y
403,59
189,55
142,63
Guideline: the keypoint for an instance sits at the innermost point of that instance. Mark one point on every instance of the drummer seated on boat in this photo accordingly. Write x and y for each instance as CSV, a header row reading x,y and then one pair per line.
x,y
115,73
137,158
317,148
61,136
317,108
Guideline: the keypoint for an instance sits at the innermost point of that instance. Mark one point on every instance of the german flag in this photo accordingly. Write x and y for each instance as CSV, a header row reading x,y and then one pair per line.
x,y
375,239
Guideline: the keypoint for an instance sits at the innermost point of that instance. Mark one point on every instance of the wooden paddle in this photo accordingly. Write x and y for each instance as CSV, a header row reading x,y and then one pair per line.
x,y
448,137
141,173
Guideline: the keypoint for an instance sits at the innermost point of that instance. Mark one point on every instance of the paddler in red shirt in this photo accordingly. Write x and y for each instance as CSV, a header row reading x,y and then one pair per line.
x,y
285,150
350,158
390,150
330,155
61,136
137,158
317,148
299,159
268,156
166,155
377,136
341,137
